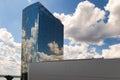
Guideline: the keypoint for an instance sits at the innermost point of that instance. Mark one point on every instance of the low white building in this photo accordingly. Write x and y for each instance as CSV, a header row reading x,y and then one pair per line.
x,y
89,69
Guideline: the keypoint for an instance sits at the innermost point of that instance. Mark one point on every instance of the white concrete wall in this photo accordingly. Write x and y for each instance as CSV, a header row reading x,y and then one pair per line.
x,y
90,69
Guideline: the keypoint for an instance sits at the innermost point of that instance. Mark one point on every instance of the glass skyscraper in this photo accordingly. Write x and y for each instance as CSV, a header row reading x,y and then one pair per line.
x,y
42,36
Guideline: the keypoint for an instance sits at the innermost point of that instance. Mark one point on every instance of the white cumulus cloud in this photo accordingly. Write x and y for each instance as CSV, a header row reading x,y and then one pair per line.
x,y
86,23
10,53
81,25
83,51
113,7
86,26
112,52
80,51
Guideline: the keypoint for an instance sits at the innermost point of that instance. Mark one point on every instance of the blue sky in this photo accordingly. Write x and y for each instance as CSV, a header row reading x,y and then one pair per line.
x,y
93,29
11,15
11,12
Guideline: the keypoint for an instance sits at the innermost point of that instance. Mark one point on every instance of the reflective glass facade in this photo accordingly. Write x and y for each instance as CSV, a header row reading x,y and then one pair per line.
x,y
42,36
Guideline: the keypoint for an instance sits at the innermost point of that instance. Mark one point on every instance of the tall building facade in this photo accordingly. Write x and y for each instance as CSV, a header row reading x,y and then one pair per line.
x,y
42,37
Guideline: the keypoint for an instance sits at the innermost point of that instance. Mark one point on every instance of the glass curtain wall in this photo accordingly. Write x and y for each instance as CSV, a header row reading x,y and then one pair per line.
x,y
42,37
